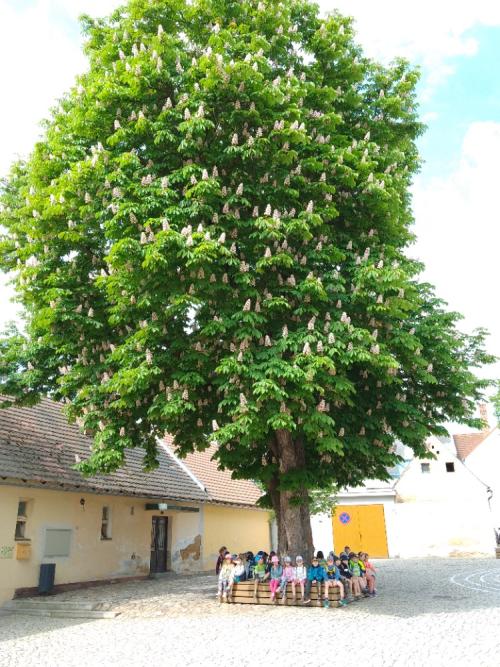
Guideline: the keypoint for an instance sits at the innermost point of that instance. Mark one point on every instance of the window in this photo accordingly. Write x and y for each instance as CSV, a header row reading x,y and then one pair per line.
x,y
106,524
20,533
450,467
57,542
425,467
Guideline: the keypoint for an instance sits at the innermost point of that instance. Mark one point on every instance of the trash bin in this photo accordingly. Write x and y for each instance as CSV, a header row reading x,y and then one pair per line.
x,y
47,575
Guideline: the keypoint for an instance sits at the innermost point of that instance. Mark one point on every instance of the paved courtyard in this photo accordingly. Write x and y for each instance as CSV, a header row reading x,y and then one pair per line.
x,y
428,613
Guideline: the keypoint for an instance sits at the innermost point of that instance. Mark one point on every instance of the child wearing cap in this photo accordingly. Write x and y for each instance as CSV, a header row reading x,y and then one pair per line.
x,y
259,573
288,575
333,578
275,575
316,574
355,571
226,578
299,577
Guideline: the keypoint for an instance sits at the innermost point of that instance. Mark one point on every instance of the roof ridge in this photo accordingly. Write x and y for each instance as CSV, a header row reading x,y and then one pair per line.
x,y
180,463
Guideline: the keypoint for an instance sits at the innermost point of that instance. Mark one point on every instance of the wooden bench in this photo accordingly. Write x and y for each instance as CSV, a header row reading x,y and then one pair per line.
x,y
243,594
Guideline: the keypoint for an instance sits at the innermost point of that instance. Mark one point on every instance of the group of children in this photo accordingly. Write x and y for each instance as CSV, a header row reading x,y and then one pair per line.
x,y
352,573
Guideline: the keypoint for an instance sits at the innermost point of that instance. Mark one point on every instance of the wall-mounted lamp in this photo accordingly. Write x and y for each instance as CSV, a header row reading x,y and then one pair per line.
x,y
82,503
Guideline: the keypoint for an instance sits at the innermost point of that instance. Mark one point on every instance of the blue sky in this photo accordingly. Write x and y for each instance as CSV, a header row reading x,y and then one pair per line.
x,y
470,94
457,45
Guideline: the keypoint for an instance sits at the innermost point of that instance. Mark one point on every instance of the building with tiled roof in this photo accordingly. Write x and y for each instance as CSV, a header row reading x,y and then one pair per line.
x,y
128,524
466,443
480,453
38,445
430,507
219,484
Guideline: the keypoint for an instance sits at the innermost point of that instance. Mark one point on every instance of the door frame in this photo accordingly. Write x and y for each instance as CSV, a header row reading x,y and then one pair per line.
x,y
153,566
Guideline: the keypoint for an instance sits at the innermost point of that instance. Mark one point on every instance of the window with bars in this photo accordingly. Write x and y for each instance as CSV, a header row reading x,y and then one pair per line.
x,y
106,523
22,517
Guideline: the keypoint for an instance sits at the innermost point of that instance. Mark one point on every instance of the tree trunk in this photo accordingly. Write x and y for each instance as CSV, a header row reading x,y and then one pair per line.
x,y
274,493
291,507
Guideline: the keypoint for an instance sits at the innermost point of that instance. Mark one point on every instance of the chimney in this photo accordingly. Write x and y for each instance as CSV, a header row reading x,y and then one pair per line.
x,y
483,414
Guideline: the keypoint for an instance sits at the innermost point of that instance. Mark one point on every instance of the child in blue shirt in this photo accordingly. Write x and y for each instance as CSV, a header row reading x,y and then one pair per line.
x,y
316,574
333,579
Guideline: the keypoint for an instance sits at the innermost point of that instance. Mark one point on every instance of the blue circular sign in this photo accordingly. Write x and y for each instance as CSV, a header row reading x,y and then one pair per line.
x,y
344,517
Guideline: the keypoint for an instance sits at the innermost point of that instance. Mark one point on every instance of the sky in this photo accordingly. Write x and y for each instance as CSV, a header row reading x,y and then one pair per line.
x,y
456,43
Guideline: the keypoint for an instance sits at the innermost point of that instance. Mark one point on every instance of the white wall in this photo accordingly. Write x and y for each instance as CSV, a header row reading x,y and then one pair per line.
x,y
438,513
442,513
321,525
485,463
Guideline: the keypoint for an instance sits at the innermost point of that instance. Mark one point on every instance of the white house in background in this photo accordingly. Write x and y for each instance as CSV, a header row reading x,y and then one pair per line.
x,y
430,508
480,453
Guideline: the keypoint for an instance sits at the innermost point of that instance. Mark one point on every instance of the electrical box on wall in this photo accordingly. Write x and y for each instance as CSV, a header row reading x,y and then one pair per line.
x,y
23,551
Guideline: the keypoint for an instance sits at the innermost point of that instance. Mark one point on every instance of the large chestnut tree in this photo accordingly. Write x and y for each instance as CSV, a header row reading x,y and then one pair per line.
x,y
211,240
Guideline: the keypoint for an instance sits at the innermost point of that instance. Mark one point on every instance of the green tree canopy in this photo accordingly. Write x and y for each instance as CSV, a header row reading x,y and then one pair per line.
x,y
212,240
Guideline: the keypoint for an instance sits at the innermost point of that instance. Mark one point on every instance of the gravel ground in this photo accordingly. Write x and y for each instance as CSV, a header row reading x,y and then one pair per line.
x,y
429,612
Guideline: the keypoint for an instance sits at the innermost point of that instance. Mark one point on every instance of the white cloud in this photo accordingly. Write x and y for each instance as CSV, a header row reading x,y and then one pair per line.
x,y
458,228
430,31
40,58
457,219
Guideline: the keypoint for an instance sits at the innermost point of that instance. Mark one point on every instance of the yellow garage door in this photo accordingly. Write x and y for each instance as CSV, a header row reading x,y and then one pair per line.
x,y
361,527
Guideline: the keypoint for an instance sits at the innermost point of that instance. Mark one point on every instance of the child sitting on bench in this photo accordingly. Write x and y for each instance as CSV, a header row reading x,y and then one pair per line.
x,y
226,578
333,578
316,574
299,577
259,574
275,575
288,576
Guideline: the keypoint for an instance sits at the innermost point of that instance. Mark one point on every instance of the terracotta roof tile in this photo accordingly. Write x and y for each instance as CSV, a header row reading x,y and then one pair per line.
x,y
466,443
221,487
38,445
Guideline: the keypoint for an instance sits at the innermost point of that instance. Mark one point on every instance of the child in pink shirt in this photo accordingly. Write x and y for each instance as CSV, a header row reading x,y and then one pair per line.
x,y
370,574
276,573
286,577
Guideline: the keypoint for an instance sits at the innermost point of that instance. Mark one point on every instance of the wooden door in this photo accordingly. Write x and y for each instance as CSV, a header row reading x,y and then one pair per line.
x,y
361,527
159,544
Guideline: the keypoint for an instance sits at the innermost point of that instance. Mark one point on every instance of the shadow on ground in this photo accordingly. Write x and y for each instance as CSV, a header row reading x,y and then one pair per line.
x,y
406,589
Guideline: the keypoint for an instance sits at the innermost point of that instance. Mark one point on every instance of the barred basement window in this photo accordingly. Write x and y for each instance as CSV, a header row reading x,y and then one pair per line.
x,y
425,467
106,524
22,517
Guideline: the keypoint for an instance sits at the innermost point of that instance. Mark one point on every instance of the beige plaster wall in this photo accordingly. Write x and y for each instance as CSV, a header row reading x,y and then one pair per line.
x,y
126,554
238,529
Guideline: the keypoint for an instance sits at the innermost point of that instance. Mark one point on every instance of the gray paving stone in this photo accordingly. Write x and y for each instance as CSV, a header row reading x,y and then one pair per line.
x,y
428,612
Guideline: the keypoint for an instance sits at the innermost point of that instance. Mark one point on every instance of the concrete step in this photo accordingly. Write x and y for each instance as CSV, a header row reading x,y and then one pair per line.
x,y
60,608
58,605
60,613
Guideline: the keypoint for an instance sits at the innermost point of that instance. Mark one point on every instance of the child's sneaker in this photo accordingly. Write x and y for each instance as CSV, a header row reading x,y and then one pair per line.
x,y
224,597
326,603
343,603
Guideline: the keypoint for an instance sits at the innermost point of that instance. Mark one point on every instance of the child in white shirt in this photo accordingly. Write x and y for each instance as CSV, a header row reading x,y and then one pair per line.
x,y
299,576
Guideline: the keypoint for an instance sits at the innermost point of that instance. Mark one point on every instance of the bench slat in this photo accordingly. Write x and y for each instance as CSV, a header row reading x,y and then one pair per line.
x,y
243,593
